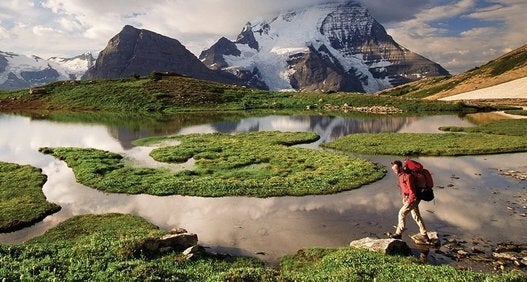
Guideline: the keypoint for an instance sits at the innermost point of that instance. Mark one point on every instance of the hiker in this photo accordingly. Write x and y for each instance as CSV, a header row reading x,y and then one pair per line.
x,y
410,203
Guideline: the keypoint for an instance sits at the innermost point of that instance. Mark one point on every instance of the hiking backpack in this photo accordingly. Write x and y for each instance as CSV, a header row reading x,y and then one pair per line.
x,y
423,181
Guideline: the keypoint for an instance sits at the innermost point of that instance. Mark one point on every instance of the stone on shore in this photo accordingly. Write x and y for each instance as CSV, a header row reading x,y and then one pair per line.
x,y
384,246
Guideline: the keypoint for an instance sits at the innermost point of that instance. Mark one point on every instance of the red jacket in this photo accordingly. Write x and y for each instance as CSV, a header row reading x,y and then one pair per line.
x,y
406,182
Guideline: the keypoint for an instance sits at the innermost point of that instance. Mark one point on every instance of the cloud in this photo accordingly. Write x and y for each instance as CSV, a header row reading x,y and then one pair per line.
x,y
69,24
43,31
501,31
476,32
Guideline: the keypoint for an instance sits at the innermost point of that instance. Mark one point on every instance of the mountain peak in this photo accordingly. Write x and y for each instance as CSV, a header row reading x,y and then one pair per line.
x,y
140,52
330,46
129,28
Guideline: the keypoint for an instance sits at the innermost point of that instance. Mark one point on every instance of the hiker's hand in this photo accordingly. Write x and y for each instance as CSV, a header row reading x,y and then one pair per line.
x,y
411,198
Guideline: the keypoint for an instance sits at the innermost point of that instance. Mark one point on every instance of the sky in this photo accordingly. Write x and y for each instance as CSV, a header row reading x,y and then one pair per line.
x,y
458,34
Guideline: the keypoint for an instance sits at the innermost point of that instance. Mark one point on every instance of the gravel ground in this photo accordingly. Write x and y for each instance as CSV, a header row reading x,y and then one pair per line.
x,y
513,89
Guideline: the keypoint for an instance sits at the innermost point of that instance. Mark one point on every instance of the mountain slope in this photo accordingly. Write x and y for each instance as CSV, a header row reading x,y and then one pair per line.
x,y
507,68
327,47
140,52
20,71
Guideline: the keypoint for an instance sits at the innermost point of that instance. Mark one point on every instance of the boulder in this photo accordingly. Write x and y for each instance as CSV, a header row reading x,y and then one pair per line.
x,y
179,242
37,91
178,230
385,246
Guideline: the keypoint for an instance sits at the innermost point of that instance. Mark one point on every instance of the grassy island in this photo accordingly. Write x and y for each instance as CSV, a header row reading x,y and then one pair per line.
x,y
428,144
257,164
504,136
512,127
22,202
108,248
517,112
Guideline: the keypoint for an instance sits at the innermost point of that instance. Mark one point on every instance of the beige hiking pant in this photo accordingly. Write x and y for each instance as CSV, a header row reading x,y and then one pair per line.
x,y
416,215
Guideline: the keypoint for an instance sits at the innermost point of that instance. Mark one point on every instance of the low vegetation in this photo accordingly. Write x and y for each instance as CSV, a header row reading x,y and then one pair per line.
x,y
108,248
349,264
428,144
105,248
517,112
22,202
502,136
512,127
174,94
258,164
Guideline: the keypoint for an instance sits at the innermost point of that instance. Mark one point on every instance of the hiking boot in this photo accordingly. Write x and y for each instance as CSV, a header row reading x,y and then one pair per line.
x,y
393,235
422,238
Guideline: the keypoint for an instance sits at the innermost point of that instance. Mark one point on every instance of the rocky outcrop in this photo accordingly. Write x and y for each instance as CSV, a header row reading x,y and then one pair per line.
x,y
178,240
327,47
384,246
3,64
318,70
214,57
247,36
141,52
40,77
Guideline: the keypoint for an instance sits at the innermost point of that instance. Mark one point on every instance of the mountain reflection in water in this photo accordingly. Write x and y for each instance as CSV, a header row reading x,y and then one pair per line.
x,y
471,196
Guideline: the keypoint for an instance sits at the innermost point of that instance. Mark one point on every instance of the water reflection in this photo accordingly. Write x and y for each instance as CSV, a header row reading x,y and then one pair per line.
x,y
472,202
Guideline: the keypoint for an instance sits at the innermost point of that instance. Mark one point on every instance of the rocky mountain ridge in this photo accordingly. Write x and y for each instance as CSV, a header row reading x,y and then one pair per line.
x,y
21,71
327,47
140,52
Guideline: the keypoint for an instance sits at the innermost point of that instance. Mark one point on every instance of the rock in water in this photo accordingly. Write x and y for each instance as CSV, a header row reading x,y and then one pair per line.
x,y
433,239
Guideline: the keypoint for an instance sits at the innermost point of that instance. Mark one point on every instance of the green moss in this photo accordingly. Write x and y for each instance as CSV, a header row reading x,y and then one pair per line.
x,y
349,264
261,164
22,202
428,144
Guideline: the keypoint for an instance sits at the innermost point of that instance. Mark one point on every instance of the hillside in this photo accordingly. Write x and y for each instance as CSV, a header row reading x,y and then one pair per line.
x,y
174,93
507,68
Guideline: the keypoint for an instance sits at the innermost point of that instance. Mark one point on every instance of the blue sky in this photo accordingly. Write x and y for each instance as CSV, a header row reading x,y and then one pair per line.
x,y
458,34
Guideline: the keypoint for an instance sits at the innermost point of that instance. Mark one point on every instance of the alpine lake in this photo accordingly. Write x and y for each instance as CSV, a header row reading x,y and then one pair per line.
x,y
475,200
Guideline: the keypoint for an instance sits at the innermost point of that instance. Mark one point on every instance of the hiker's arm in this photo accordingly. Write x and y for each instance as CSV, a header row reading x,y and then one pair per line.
x,y
411,189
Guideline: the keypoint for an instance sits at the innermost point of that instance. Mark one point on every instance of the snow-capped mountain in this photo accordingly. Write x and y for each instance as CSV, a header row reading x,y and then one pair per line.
x,y
327,47
21,71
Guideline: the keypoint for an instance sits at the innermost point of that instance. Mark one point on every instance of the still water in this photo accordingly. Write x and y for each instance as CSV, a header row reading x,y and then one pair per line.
x,y
472,199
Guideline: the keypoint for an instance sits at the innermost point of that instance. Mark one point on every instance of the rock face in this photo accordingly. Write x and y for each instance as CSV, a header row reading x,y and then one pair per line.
x,y
20,71
141,52
385,246
328,47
